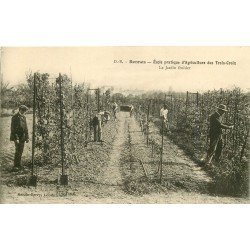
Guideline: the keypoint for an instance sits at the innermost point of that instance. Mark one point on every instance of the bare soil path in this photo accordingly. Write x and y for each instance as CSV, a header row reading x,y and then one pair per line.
x,y
122,170
112,175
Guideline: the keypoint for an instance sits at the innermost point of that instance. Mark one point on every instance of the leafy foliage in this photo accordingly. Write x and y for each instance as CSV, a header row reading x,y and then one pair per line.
x,y
189,124
63,116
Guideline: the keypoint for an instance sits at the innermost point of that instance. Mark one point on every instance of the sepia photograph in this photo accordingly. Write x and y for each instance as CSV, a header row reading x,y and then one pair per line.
x,y
124,125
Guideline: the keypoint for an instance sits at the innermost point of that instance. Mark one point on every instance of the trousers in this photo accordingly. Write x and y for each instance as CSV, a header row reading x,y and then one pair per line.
x,y
114,113
97,132
18,154
164,124
215,149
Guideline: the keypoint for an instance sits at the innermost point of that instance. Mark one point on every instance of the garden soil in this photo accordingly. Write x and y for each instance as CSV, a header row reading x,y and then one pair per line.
x,y
121,170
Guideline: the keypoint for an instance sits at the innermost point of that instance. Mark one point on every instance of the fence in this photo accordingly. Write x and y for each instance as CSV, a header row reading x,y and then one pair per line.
x,y
62,115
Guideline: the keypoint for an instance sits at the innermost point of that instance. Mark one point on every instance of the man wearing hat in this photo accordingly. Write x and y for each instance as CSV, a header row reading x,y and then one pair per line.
x,y
97,125
215,134
19,134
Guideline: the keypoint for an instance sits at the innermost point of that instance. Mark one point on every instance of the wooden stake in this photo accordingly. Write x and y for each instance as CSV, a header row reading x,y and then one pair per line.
x,y
34,125
61,124
187,99
161,156
147,120
87,117
98,100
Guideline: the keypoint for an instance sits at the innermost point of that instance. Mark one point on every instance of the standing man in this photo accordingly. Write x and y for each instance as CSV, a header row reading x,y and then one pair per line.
x,y
114,108
215,135
97,125
131,110
19,134
164,115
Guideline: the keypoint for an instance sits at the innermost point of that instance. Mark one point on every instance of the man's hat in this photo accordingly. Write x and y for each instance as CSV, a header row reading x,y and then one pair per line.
x,y
223,107
23,107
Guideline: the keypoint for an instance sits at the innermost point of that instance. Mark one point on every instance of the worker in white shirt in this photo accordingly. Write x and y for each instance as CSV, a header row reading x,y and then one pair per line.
x,y
131,110
164,115
115,109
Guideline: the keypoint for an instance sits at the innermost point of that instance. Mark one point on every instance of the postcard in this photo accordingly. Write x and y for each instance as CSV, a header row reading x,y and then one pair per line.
x,y
125,125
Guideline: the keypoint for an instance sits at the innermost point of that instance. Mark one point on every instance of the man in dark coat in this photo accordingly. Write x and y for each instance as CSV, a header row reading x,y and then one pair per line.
x,y
97,125
215,135
19,134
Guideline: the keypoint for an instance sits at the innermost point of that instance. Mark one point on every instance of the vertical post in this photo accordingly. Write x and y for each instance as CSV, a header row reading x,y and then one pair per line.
x,y
197,119
87,118
72,96
61,124
186,111
90,111
103,101
234,123
72,91
98,100
187,99
201,112
161,156
147,121
33,178
1,75
34,125
63,177
153,107
221,95
171,112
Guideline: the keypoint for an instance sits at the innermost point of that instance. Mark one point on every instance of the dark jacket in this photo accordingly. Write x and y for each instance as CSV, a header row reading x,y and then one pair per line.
x,y
95,121
19,128
216,126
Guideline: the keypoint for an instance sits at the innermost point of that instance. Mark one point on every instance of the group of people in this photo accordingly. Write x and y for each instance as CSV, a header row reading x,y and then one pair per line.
x,y
215,132
103,117
19,130
100,118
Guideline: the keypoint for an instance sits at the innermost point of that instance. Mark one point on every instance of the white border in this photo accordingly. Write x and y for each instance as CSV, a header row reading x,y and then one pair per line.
x,y
126,23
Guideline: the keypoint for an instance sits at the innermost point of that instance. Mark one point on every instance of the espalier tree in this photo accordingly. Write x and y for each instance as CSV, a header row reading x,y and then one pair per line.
x,y
63,118
189,124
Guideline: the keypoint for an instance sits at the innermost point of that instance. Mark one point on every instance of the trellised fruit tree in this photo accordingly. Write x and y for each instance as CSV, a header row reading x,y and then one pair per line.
x,y
189,124
63,115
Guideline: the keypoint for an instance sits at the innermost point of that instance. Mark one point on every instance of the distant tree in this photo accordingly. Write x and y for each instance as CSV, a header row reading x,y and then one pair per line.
x,y
7,95
118,97
12,97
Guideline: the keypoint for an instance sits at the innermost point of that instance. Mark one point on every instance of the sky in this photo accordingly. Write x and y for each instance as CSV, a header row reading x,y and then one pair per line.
x,y
95,65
